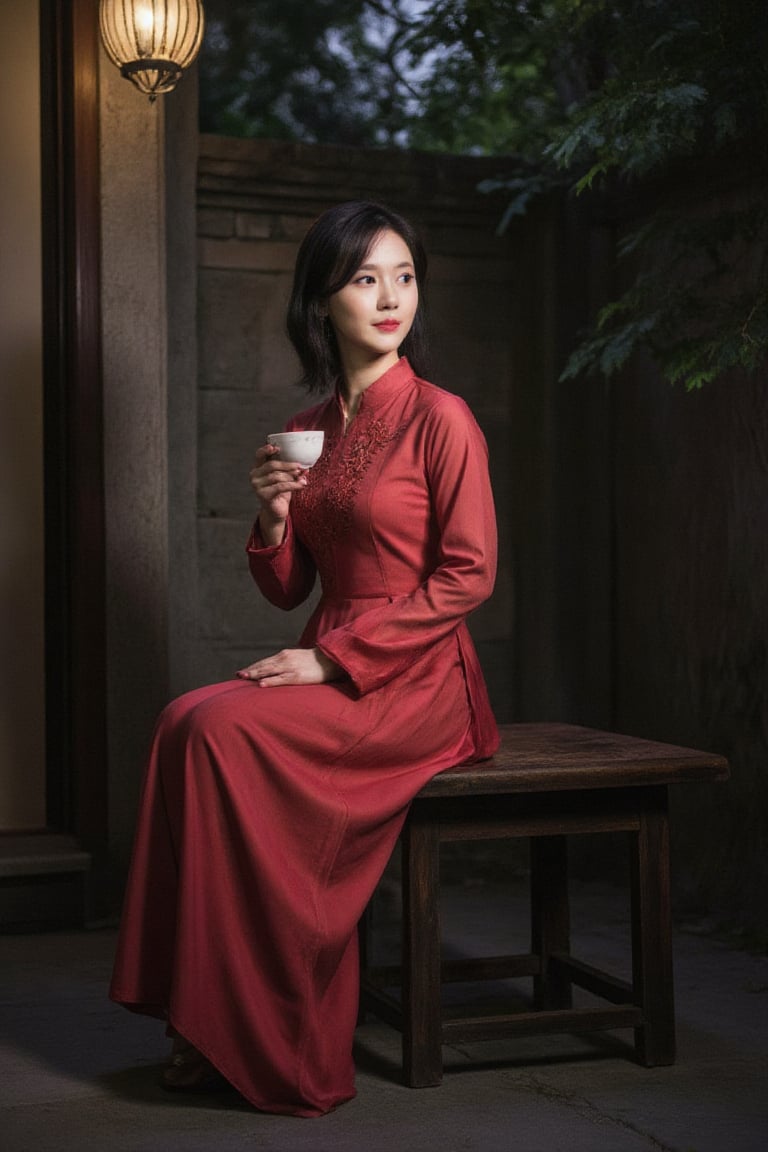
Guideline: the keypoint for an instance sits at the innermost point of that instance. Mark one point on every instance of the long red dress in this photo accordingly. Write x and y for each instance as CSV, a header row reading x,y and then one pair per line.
x,y
268,814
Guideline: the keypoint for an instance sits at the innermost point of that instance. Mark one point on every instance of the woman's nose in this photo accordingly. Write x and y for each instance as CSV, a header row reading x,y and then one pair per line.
x,y
387,295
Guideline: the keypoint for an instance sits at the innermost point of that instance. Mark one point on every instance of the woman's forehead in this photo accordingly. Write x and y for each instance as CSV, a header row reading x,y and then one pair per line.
x,y
388,247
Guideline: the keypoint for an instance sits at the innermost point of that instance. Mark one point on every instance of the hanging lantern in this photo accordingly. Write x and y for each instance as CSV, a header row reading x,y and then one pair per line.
x,y
152,41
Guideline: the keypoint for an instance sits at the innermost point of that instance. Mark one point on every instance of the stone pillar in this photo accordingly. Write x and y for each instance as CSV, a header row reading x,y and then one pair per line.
x,y
135,380
181,152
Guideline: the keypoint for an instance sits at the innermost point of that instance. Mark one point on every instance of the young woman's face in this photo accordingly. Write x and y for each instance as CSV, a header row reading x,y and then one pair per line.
x,y
373,313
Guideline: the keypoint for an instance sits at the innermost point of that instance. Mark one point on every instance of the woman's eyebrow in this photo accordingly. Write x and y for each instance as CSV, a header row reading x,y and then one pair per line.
x,y
373,267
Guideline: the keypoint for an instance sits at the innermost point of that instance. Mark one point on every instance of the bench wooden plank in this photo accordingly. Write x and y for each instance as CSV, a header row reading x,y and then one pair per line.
x,y
466,1031
565,757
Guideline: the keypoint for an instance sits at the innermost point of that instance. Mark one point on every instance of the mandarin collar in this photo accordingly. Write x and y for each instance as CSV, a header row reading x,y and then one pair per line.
x,y
379,393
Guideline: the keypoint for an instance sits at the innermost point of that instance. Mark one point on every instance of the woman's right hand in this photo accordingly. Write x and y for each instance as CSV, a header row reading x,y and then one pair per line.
x,y
273,480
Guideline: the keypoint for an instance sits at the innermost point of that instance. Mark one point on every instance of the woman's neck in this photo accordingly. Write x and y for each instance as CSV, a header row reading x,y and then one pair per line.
x,y
359,377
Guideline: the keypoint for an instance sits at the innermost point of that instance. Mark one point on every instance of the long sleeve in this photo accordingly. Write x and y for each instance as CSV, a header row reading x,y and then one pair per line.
x,y
285,573
381,643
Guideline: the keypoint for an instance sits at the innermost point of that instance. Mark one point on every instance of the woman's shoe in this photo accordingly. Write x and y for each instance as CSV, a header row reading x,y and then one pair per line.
x,y
188,1070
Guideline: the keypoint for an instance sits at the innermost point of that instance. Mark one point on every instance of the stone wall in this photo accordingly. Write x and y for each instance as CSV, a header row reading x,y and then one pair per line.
x,y
256,200
633,518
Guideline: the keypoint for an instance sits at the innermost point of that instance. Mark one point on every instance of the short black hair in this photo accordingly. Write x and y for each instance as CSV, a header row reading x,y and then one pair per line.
x,y
330,254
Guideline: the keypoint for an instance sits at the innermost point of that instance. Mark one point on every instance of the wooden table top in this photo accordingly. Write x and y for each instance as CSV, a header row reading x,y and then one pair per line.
x,y
566,757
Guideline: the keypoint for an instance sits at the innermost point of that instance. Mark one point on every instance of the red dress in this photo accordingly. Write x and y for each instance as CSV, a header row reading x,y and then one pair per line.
x,y
268,814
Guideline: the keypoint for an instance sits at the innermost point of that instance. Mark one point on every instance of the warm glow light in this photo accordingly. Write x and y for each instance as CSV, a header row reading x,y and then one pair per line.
x,y
144,19
152,41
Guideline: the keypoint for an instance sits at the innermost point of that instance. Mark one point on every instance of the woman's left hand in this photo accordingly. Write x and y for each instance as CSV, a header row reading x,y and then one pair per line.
x,y
292,666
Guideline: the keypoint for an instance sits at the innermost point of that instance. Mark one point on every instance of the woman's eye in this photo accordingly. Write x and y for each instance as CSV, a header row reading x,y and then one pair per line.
x,y
366,279
407,277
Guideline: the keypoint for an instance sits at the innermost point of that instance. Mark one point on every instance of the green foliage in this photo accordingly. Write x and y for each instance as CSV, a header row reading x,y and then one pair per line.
x,y
668,100
275,69
700,305
688,94
598,97
440,75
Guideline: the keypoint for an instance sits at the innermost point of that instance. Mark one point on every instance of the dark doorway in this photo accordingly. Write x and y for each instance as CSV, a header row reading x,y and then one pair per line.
x,y
73,441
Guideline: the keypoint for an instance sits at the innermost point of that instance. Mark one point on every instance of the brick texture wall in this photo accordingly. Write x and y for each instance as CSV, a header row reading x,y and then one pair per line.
x,y
256,200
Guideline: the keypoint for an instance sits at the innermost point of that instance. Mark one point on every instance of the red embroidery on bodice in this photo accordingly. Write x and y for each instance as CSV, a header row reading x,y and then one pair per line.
x,y
323,511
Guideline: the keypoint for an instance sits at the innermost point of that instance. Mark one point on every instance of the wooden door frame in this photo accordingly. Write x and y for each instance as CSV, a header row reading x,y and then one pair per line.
x,y
75,548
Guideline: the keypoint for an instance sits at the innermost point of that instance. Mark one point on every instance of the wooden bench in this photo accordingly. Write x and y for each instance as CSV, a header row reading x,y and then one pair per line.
x,y
546,782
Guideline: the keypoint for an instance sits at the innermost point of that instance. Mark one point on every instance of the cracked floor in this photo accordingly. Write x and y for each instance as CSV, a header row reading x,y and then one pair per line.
x,y
78,1073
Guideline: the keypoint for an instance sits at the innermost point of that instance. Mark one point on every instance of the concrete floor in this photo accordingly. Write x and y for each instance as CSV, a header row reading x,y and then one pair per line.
x,y
78,1073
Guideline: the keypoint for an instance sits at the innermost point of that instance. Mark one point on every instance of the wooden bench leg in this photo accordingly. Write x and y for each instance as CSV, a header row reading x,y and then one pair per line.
x,y
652,936
550,919
422,1017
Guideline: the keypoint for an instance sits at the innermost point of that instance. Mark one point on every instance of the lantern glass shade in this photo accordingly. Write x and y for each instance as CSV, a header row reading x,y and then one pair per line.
x,y
152,41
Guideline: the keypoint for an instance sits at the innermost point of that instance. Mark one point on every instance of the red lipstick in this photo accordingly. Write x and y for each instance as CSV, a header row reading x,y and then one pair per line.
x,y
387,325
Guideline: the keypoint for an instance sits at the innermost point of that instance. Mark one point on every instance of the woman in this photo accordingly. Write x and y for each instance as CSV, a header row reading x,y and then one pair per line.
x,y
272,802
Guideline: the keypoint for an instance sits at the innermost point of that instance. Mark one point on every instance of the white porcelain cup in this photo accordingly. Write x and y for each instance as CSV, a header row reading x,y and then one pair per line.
x,y
298,447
